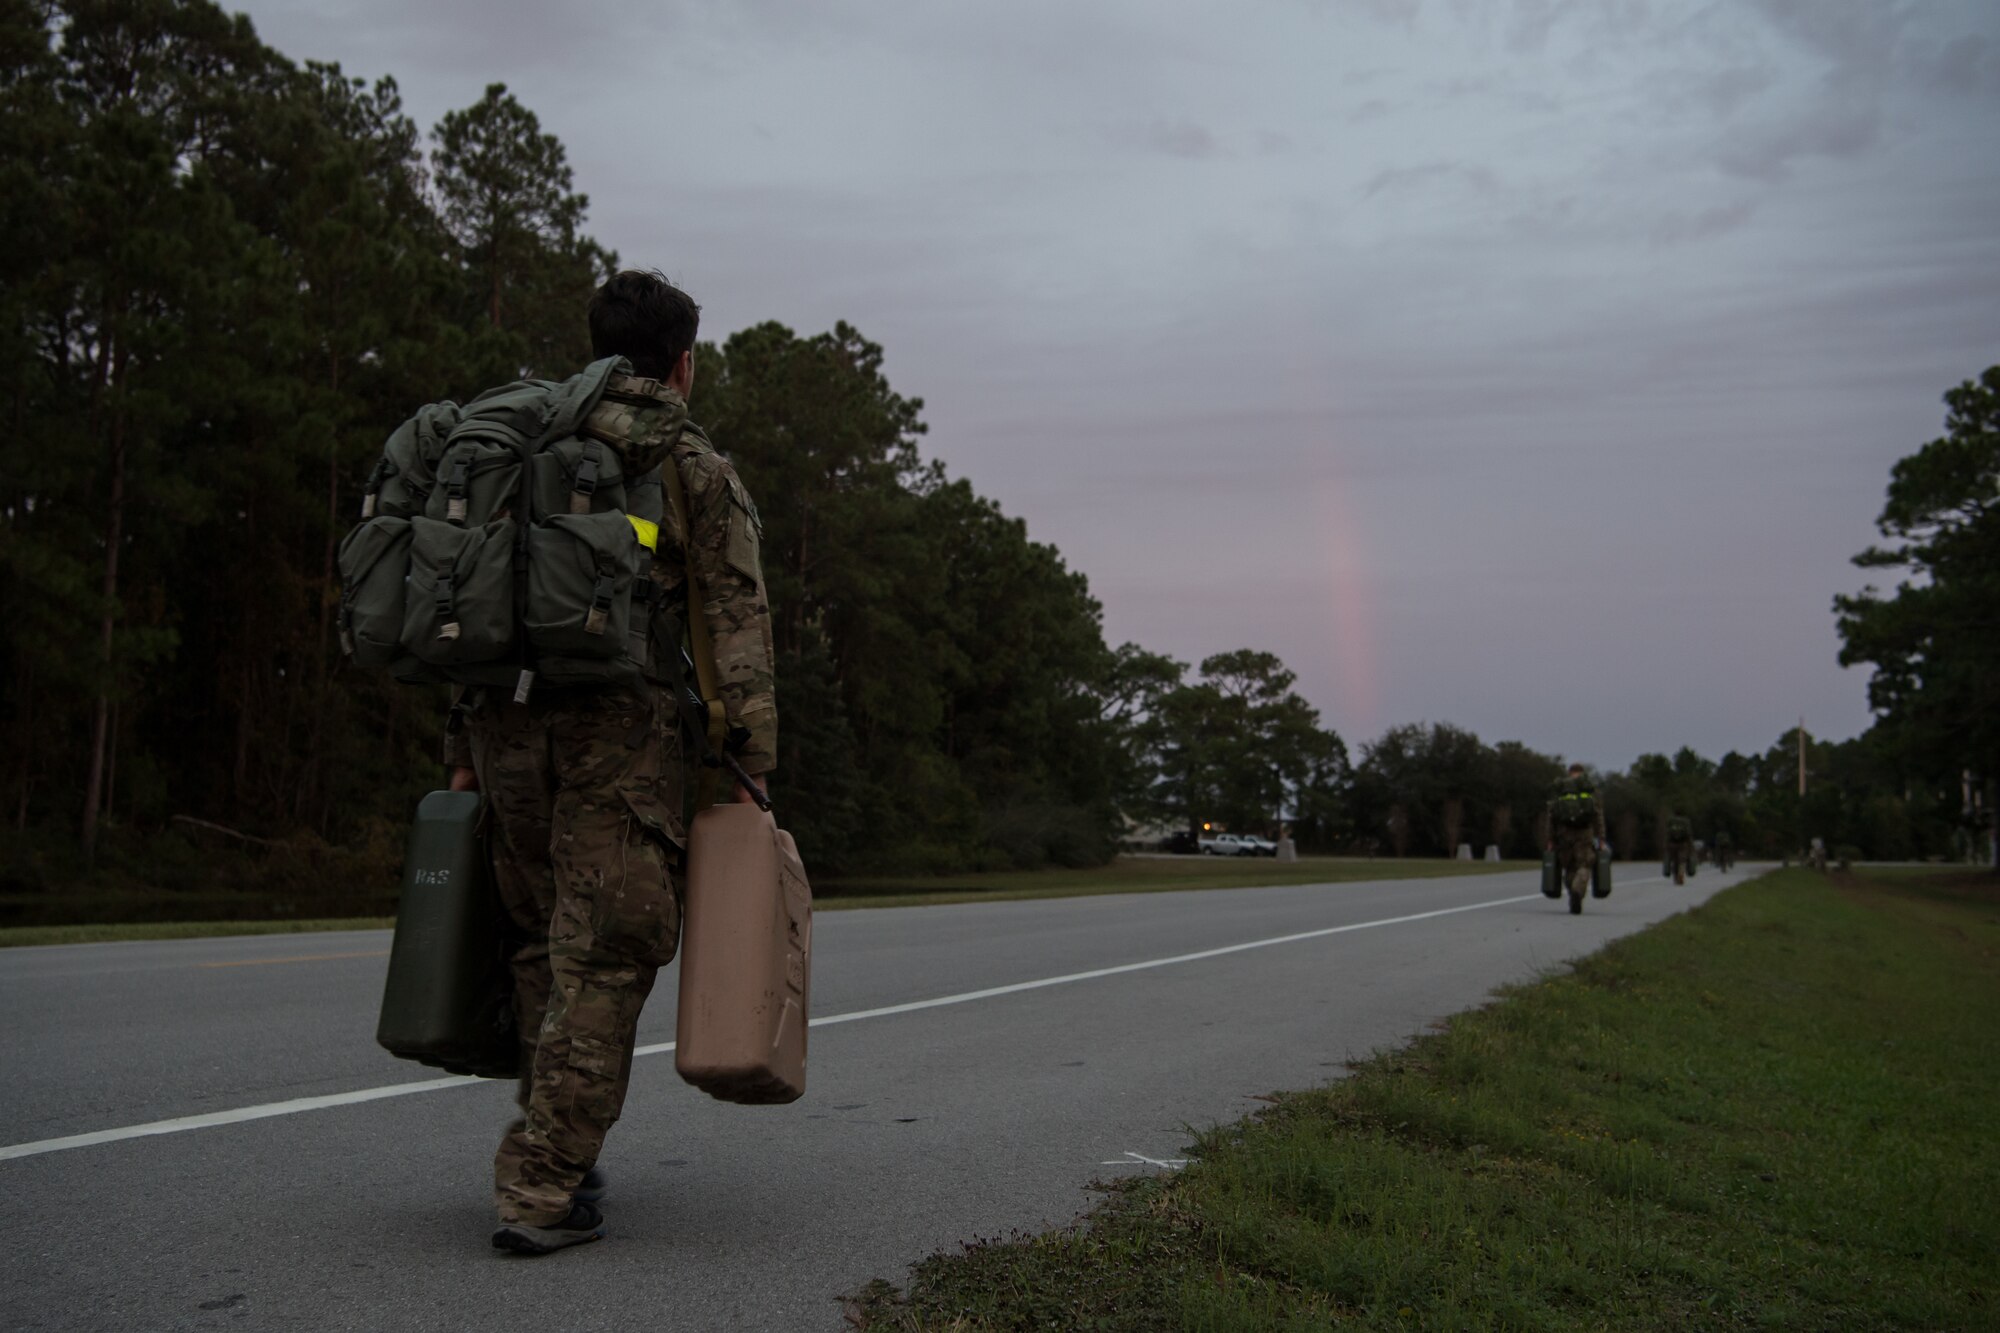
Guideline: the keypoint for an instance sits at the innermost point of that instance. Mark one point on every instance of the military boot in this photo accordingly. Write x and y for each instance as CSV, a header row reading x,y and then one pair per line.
x,y
583,1224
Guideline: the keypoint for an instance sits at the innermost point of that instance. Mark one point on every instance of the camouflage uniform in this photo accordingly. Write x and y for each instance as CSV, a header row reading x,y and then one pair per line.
x,y
586,789
1576,845
1680,846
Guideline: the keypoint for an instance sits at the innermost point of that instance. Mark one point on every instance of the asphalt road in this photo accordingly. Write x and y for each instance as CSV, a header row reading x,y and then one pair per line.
x,y
956,1114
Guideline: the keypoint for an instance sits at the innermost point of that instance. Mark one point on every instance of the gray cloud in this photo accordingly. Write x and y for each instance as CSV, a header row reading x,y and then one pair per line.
x,y
1649,292
1173,138
1870,58
1513,96
1425,173
1396,13
1842,123
1680,228
1851,34
1528,27
1725,91
1968,63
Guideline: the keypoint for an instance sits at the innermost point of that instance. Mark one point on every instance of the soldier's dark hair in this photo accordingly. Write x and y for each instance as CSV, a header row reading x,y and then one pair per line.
x,y
1575,770
642,317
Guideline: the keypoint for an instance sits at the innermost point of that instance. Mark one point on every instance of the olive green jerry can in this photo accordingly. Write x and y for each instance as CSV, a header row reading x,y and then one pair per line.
x,y
449,998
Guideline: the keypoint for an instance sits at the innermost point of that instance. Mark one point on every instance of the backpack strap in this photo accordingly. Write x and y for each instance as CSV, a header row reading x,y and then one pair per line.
x,y
699,639
587,469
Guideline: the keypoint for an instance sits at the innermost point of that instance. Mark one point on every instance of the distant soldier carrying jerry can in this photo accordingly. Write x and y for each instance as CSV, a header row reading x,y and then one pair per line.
x,y
1576,832
1680,849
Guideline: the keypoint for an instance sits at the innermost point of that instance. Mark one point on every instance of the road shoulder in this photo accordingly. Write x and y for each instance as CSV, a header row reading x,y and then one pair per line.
x,y
1770,1110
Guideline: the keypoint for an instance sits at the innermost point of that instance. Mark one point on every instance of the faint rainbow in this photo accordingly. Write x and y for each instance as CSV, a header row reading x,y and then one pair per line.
x,y
1348,620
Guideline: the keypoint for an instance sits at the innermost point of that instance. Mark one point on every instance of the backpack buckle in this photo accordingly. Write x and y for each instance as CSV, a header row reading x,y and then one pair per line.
x,y
585,484
600,606
381,472
454,509
446,613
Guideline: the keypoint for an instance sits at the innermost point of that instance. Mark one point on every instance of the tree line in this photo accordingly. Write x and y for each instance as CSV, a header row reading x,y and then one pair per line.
x,y
227,275
1935,639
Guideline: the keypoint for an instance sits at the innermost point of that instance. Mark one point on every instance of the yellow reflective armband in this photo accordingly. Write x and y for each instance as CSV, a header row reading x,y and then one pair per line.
x,y
649,533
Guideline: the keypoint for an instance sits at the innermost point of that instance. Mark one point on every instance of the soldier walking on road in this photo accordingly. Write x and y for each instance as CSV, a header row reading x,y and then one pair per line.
x,y
1576,830
1680,849
1723,849
585,786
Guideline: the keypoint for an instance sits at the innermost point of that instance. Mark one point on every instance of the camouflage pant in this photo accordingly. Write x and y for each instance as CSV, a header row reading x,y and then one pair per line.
x,y
1576,853
585,793
1680,856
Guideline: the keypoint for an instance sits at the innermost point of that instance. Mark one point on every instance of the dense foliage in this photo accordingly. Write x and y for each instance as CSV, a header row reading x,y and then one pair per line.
x,y
1935,641
224,277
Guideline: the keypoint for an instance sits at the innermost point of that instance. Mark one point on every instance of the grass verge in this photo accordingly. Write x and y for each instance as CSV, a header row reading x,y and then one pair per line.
x,y
1124,875
1131,874
1772,1112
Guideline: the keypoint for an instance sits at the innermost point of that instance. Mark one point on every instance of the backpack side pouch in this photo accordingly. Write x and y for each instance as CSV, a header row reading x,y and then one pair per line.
x,y
577,475
460,605
582,570
374,571
402,481
476,481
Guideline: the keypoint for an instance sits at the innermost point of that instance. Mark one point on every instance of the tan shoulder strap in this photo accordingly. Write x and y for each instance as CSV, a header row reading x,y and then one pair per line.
x,y
701,645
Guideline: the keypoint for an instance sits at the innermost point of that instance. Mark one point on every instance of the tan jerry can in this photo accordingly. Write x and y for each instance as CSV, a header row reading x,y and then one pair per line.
x,y
746,959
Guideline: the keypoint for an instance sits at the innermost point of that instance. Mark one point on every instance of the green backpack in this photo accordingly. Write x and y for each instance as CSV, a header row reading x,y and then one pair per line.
x,y
1575,806
499,546
1679,830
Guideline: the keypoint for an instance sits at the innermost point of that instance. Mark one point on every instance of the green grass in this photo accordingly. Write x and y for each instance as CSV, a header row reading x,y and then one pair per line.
x,y
100,933
1131,874
1776,1111
1124,875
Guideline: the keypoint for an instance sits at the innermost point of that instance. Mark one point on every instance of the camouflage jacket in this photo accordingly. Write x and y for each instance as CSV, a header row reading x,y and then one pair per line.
x,y
645,421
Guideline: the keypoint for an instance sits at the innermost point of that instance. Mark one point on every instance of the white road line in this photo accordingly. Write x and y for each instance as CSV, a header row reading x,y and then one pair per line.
x,y
235,1117
302,1104
966,997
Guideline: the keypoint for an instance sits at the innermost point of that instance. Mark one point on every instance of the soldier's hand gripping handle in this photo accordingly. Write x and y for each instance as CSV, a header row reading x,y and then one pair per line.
x,y
694,716
747,784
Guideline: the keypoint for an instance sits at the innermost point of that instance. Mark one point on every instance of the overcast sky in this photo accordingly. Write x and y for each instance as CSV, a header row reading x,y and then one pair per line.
x,y
1534,365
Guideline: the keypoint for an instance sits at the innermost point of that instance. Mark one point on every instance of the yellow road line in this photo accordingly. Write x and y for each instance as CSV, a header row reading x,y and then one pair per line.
x,y
300,958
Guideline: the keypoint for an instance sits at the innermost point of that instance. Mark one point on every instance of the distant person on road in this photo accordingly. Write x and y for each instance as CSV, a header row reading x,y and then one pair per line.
x,y
1680,849
586,786
1576,829
1723,848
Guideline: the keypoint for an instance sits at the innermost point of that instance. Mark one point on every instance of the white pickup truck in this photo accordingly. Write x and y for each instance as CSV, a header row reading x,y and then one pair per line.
x,y
1238,844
